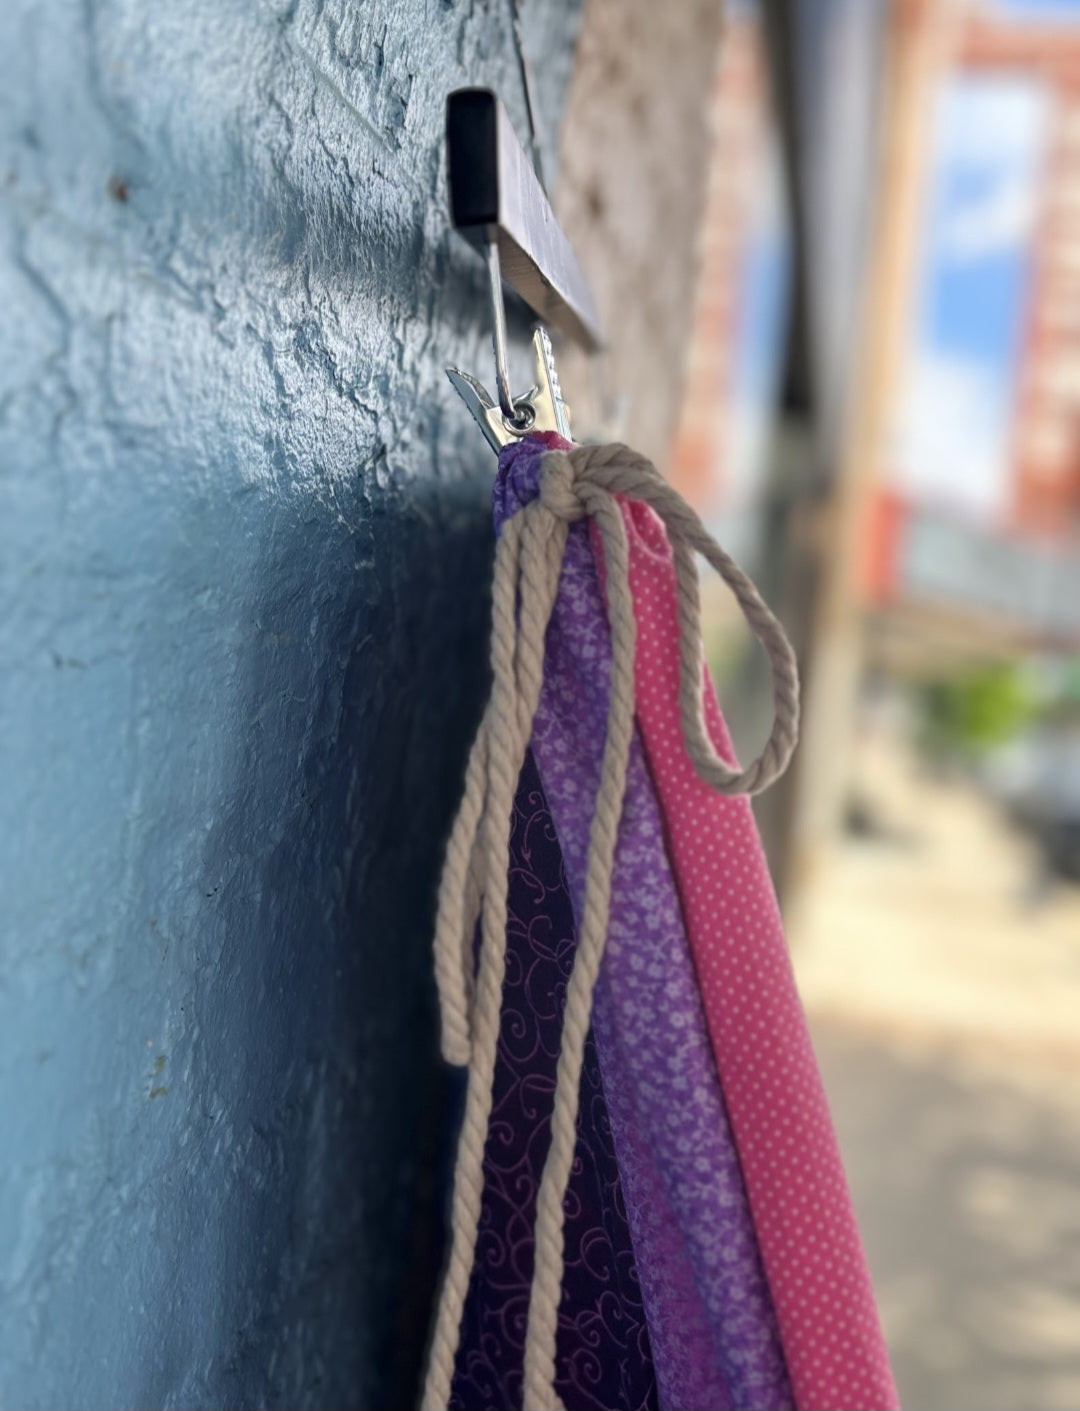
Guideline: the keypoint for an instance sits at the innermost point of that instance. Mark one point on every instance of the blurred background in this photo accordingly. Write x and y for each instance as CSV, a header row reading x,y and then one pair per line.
x,y
881,417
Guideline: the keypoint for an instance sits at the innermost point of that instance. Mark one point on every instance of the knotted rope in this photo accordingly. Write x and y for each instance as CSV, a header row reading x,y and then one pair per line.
x,y
528,562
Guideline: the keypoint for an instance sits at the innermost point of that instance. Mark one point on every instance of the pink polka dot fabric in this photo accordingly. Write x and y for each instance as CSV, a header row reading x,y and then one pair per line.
x,y
798,1193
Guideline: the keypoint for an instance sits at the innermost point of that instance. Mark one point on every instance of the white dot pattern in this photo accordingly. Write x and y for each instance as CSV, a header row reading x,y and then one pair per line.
x,y
798,1193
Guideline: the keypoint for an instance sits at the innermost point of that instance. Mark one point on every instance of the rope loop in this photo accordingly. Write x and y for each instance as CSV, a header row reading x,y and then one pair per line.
x,y
618,471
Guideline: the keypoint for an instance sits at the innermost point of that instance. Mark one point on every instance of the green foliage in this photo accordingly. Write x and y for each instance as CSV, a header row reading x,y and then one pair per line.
x,y
973,713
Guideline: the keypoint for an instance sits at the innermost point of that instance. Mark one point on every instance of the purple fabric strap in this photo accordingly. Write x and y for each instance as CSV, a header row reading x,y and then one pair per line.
x,y
604,1361
711,1322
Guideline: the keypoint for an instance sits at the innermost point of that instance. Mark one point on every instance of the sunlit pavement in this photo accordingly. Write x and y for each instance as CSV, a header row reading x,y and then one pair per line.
x,y
945,1004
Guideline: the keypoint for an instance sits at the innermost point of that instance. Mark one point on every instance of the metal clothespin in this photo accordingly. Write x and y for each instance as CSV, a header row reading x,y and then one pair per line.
x,y
499,205
541,409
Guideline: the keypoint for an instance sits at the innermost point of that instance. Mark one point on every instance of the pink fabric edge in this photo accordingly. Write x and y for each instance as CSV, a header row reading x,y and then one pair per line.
x,y
811,1248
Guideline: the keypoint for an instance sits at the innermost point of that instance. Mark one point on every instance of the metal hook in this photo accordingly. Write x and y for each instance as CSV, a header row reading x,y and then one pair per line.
x,y
519,415
495,195
499,204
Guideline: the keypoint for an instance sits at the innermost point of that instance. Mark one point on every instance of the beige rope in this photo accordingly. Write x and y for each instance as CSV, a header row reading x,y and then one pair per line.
x,y
528,563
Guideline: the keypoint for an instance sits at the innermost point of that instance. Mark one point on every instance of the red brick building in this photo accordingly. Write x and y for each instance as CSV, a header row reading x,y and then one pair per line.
x,y
1046,443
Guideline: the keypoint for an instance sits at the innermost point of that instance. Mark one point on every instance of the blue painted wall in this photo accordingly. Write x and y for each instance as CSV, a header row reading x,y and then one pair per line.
x,y
243,548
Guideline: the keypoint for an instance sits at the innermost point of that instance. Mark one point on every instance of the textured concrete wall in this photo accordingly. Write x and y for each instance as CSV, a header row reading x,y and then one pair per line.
x,y
243,544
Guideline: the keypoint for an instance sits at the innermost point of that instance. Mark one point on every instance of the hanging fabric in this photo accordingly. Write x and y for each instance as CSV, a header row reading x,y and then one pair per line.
x,y
727,1325
802,1210
713,1329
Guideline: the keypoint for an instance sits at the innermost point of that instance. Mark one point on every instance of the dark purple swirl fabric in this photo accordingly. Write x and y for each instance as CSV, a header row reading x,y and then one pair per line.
x,y
604,1360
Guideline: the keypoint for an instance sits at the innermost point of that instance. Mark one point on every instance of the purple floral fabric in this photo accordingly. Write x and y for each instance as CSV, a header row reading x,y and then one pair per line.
x,y
711,1321
604,1359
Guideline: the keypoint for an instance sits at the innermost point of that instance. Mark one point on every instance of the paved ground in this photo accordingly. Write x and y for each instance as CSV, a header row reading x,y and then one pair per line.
x,y
946,1011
